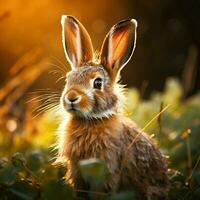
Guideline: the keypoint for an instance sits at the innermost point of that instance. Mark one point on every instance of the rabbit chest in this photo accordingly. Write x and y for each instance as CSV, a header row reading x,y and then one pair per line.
x,y
94,139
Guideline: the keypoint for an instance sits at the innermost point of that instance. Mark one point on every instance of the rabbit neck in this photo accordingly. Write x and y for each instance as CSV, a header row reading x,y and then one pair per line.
x,y
84,138
92,125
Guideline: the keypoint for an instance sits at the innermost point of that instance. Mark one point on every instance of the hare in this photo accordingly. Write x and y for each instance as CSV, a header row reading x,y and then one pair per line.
x,y
95,127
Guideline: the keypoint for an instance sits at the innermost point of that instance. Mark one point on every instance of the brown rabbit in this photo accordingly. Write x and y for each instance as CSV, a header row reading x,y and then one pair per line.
x,y
95,127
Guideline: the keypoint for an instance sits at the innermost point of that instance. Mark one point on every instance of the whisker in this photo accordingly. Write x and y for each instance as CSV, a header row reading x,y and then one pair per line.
x,y
62,77
49,107
45,107
59,61
58,67
49,101
44,90
55,72
45,98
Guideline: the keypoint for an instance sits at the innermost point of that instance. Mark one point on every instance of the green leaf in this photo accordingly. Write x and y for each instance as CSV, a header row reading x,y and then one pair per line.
x,y
35,161
197,192
129,195
3,163
24,190
57,189
93,170
8,174
198,177
18,160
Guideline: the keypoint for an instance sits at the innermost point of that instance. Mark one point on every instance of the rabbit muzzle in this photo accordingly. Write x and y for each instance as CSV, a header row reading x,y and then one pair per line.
x,y
71,100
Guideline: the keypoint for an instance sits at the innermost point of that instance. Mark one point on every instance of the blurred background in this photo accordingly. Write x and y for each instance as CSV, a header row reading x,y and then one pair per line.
x,y
164,70
168,36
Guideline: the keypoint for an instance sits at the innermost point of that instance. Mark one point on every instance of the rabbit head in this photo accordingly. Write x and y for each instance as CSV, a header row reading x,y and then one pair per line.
x,y
90,89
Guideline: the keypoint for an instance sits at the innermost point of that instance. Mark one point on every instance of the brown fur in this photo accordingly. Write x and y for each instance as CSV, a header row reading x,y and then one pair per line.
x,y
96,128
144,167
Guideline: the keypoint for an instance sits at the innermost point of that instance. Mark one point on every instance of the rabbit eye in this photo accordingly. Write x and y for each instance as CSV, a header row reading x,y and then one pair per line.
x,y
97,83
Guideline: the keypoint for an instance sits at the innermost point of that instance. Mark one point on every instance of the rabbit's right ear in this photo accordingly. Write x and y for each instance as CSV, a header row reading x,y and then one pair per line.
x,y
76,42
118,46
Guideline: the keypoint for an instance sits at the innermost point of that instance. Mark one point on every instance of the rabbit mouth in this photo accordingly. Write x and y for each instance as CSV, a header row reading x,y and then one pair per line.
x,y
72,108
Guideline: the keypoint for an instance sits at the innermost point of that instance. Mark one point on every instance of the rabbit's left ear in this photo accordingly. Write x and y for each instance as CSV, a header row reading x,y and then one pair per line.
x,y
118,46
76,42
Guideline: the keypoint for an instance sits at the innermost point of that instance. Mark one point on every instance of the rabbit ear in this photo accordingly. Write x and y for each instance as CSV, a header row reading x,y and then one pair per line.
x,y
76,42
118,46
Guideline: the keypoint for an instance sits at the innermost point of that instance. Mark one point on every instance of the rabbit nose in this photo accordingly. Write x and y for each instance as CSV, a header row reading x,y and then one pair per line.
x,y
72,97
